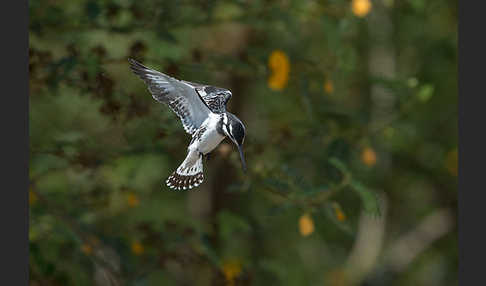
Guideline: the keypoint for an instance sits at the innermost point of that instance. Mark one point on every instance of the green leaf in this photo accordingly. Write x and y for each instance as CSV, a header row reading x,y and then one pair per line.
x,y
425,92
328,211
369,198
338,164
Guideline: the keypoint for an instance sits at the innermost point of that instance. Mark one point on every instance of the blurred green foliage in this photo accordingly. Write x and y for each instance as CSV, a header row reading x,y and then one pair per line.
x,y
320,143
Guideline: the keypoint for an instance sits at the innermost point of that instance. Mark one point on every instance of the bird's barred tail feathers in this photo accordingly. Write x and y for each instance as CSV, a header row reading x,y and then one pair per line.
x,y
186,177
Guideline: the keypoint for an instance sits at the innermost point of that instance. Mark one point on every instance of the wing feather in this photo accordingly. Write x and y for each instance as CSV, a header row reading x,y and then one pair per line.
x,y
181,97
216,98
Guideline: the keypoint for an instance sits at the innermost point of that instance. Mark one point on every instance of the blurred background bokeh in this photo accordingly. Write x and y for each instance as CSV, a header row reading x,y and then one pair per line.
x,y
350,108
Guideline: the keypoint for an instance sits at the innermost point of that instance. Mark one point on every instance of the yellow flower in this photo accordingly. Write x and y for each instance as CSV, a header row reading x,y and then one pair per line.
x,y
32,197
86,249
368,156
451,162
340,216
133,200
137,248
279,64
361,8
231,269
328,86
306,225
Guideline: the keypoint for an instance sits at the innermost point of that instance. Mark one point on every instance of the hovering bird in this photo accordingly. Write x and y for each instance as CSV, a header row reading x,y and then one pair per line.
x,y
202,110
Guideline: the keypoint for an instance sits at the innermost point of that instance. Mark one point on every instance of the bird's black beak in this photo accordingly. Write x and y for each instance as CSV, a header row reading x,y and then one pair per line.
x,y
242,157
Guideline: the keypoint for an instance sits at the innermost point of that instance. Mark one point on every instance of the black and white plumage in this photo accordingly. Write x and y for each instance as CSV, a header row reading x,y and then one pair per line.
x,y
215,98
202,111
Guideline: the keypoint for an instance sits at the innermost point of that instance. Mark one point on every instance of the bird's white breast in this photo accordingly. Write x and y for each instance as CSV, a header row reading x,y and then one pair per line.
x,y
210,138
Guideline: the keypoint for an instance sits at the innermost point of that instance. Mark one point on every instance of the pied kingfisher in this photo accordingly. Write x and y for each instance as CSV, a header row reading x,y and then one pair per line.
x,y
202,110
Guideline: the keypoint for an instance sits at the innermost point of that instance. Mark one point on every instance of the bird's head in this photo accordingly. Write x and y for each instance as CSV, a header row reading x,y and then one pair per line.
x,y
235,130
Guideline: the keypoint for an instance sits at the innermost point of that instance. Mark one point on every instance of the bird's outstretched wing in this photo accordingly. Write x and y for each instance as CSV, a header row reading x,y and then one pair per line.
x,y
215,98
181,97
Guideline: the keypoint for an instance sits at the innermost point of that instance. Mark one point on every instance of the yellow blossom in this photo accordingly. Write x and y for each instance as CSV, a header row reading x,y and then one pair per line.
x,y
451,162
87,249
368,156
132,200
306,225
137,248
279,64
340,215
231,269
328,86
361,8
